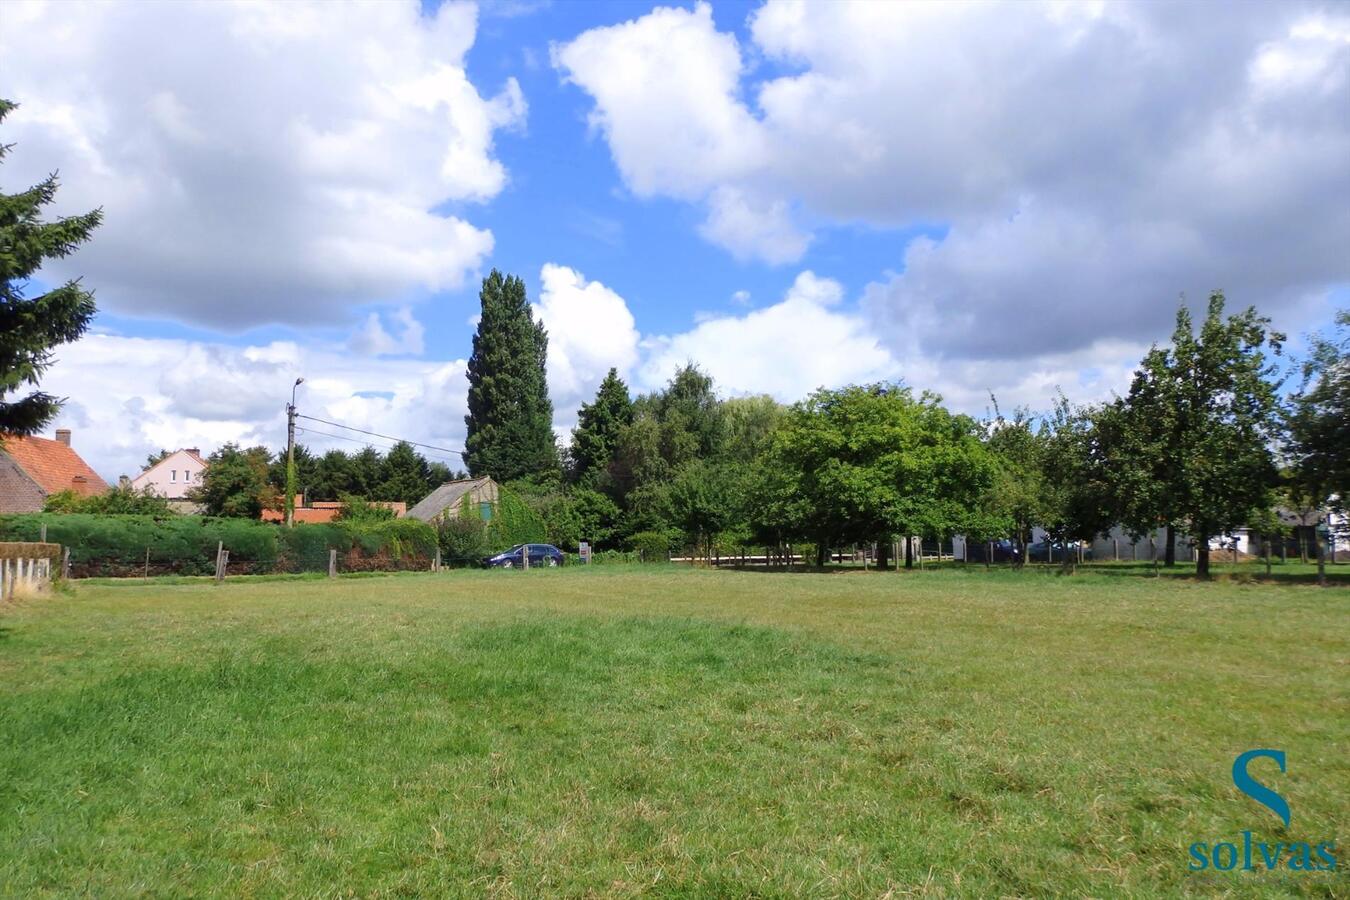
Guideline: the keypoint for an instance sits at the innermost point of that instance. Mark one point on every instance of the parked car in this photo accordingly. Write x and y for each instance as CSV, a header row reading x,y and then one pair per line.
x,y
1004,551
1040,551
538,554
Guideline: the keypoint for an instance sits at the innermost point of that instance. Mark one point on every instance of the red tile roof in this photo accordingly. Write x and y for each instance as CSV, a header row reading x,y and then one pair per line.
x,y
53,465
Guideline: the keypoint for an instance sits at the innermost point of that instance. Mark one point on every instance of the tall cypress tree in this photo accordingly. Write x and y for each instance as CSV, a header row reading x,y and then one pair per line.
x,y
510,420
31,327
598,427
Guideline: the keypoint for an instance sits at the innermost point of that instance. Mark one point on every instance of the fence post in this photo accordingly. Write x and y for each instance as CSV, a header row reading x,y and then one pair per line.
x,y
332,563
65,563
222,566
1115,548
43,532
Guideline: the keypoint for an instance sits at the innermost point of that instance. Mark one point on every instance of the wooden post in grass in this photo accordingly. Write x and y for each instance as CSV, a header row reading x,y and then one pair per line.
x,y
147,562
332,563
65,563
43,533
222,566
1115,548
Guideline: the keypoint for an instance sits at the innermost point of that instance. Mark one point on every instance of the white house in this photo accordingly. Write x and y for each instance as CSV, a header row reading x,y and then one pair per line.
x,y
174,475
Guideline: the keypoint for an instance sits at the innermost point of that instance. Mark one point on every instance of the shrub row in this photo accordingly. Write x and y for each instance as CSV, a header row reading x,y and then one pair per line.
x,y
186,545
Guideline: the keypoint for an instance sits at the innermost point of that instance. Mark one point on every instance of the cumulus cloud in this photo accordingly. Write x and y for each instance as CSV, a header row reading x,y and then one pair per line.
x,y
1088,162
131,396
590,330
258,162
373,339
788,349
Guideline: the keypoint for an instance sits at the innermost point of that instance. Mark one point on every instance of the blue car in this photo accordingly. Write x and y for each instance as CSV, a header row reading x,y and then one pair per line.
x,y
539,555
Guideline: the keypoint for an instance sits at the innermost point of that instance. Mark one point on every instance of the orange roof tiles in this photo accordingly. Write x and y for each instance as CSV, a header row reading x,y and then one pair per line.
x,y
53,465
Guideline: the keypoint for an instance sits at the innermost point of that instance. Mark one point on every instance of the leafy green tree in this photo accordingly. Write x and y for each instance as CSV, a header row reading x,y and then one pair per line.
x,y
597,516
1077,499
1019,493
510,420
236,483
748,423
156,458
404,476
690,414
599,425
703,500
1192,442
1318,448
870,463
30,327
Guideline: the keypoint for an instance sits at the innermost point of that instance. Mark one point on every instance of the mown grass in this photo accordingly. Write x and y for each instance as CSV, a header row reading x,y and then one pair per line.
x,y
665,732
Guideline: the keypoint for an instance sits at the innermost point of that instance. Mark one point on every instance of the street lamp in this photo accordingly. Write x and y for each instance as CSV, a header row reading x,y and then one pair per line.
x,y
290,455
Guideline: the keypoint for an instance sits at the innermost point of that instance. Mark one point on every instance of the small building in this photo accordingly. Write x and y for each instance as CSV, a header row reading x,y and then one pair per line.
x,y
319,511
174,475
34,468
449,498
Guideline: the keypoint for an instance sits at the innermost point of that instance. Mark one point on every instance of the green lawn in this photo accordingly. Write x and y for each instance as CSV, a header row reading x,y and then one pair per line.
x,y
667,732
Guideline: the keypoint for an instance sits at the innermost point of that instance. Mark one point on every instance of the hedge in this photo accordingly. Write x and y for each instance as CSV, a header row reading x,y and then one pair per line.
x,y
186,545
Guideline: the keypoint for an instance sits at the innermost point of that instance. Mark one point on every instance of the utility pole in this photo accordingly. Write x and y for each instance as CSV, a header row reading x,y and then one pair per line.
x,y
290,456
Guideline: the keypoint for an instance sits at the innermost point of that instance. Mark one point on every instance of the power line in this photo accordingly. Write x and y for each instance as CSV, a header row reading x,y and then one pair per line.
x,y
387,437
342,437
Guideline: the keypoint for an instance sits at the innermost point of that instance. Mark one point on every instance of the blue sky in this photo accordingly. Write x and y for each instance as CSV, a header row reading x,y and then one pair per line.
x,y
1006,198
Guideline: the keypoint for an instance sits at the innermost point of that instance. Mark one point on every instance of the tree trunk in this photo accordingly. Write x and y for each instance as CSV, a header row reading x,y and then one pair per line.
x,y
821,550
1321,561
1171,558
883,555
1265,545
909,552
1202,559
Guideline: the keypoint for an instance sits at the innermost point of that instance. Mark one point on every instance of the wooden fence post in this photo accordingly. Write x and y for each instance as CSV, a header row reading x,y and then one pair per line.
x,y
436,566
332,563
65,563
222,565
43,533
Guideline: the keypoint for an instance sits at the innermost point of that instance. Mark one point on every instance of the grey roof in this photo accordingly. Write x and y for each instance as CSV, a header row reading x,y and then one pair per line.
x,y
445,496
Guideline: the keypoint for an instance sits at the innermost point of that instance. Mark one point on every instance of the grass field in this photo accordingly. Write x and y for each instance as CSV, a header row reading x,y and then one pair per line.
x,y
667,732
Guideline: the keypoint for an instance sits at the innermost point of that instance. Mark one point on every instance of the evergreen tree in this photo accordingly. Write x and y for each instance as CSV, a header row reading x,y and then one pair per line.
x,y
31,327
510,420
598,427
404,476
366,468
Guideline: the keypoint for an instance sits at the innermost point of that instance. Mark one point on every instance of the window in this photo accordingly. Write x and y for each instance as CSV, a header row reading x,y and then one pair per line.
x,y
173,474
485,510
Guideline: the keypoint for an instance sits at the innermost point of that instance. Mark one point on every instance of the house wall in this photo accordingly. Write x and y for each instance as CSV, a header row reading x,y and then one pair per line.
x,y
171,477
18,492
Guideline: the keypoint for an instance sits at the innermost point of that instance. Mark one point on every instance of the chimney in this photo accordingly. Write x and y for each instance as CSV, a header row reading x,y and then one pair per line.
x,y
124,482
63,436
195,451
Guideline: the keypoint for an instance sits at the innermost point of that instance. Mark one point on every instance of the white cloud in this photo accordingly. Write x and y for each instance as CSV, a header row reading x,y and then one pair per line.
x,y
130,396
788,349
373,339
1089,162
257,162
590,330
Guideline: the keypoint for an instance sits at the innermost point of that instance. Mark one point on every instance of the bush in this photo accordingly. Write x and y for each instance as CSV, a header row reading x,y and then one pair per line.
x,y
186,545
463,540
651,546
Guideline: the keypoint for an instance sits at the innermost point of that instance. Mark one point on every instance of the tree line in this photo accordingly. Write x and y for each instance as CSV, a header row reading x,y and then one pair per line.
x,y
1206,440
